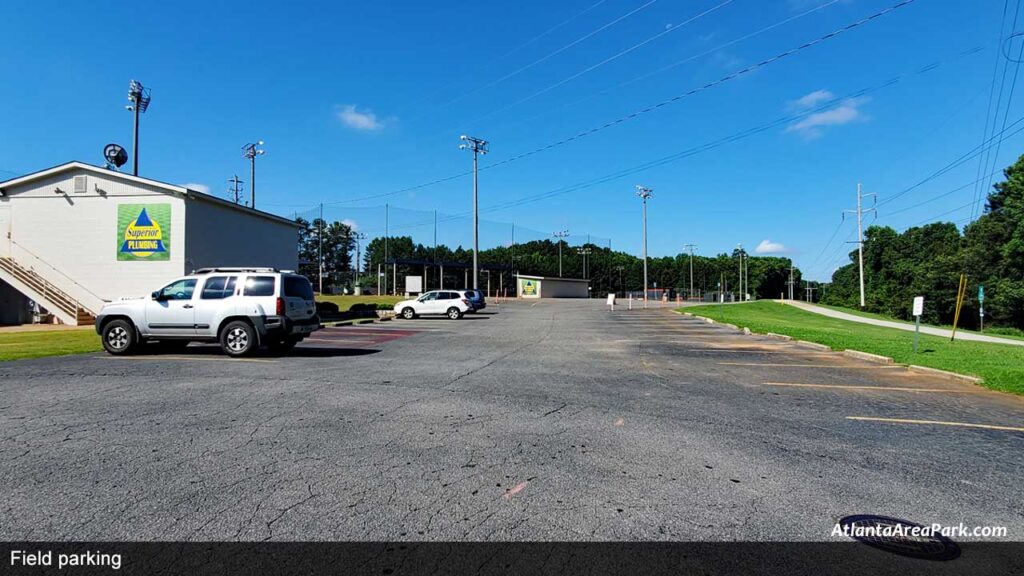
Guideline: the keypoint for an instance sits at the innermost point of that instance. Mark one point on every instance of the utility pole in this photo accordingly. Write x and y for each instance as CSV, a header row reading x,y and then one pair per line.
x,y
235,191
809,292
139,97
790,281
387,213
560,235
251,151
860,211
690,247
477,146
644,194
435,244
622,286
320,249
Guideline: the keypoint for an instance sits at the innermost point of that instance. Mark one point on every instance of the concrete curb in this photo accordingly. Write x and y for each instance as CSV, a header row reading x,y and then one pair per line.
x,y
814,345
733,326
937,372
868,357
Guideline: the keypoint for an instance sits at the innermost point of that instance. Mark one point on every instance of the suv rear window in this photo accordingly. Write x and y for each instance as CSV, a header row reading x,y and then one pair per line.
x,y
298,287
259,286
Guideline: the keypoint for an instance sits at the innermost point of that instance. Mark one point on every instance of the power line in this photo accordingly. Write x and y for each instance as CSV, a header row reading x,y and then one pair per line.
x,y
709,85
1009,98
973,152
523,45
991,92
553,54
657,106
686,60
612,58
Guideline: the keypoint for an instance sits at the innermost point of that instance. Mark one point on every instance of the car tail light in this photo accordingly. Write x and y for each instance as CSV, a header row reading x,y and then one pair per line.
x,y
466,302
280,306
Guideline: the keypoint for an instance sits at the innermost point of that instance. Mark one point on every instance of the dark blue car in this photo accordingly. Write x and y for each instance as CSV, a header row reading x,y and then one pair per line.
x,y
476,299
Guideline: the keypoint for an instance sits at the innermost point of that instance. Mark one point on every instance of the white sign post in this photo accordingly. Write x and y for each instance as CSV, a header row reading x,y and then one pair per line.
x,y
918,310
611,301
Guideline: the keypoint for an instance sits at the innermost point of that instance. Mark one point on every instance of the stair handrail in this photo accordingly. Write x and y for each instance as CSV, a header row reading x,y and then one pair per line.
x,y
96,305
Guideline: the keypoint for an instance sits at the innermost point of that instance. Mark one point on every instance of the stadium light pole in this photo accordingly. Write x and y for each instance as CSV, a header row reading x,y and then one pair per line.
x,y
251,151
644,194
691,247
359,236
139,97
584,252
560,235
739,250
477,147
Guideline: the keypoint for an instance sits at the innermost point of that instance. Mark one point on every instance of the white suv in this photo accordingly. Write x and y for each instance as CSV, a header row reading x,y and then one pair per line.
x,y
241,308
448,302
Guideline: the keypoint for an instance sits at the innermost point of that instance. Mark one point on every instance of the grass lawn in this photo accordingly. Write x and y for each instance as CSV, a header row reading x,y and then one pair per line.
x,y
856,312
345,302
39,343
1001,365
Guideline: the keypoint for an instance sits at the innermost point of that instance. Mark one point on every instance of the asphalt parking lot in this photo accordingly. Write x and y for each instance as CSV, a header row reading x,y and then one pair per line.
x,y
554,420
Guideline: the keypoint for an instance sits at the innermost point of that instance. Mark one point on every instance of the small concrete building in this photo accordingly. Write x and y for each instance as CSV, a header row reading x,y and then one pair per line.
x,y
75,236
547,287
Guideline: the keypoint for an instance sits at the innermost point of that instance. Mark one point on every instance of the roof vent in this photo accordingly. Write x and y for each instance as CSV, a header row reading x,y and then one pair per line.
x,y
80,185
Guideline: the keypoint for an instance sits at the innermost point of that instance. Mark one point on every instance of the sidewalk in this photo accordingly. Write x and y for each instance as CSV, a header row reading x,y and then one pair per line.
x,y
960,335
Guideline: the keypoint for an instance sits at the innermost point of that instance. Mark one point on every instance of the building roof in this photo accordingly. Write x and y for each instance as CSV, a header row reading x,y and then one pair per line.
x,y
553,278
168,188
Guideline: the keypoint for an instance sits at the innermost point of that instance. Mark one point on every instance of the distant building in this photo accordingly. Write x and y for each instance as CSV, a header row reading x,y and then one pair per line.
x,y
549,287
75,235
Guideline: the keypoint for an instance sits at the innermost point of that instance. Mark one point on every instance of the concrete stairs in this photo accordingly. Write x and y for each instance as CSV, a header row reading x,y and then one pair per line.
x,y
58,302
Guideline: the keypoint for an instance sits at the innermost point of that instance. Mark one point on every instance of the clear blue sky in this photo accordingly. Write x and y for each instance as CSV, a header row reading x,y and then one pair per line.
x,y
358,99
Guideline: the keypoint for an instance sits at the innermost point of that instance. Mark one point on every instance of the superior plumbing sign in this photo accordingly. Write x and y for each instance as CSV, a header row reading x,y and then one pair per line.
x,y
144,232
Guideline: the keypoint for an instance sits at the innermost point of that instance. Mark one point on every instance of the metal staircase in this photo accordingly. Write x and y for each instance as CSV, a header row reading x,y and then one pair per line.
x,y
48,295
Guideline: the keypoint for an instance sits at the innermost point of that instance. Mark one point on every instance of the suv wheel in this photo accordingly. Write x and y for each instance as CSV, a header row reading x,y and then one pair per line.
x,y
454,313
408,313
119,337
238,338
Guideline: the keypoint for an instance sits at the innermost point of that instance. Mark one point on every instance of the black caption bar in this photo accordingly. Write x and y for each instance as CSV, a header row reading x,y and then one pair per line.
x,y
415,558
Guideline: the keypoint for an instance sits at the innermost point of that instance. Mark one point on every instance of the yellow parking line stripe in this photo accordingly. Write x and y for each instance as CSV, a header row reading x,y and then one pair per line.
x,y
882,388
937,422
211,358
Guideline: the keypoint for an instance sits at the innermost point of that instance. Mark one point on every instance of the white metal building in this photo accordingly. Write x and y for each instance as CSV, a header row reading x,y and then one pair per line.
x,y
76,235
548,287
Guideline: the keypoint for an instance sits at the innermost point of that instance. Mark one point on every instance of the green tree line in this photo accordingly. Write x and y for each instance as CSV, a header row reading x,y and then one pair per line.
x,y
928,261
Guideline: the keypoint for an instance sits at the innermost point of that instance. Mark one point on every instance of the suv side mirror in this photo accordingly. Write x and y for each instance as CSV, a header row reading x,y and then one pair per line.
x,y
156,295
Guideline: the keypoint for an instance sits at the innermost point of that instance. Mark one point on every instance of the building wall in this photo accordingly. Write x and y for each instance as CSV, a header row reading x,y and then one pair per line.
x,y
551,287
72,239
223,236
556,288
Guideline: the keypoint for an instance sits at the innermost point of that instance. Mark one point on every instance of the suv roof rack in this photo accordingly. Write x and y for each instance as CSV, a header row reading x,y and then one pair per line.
x,y
233,269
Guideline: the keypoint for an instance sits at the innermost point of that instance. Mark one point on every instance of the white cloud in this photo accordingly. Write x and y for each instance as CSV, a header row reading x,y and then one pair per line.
x,y
845,112
769,247
197,187
357,119
351,224
811,100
